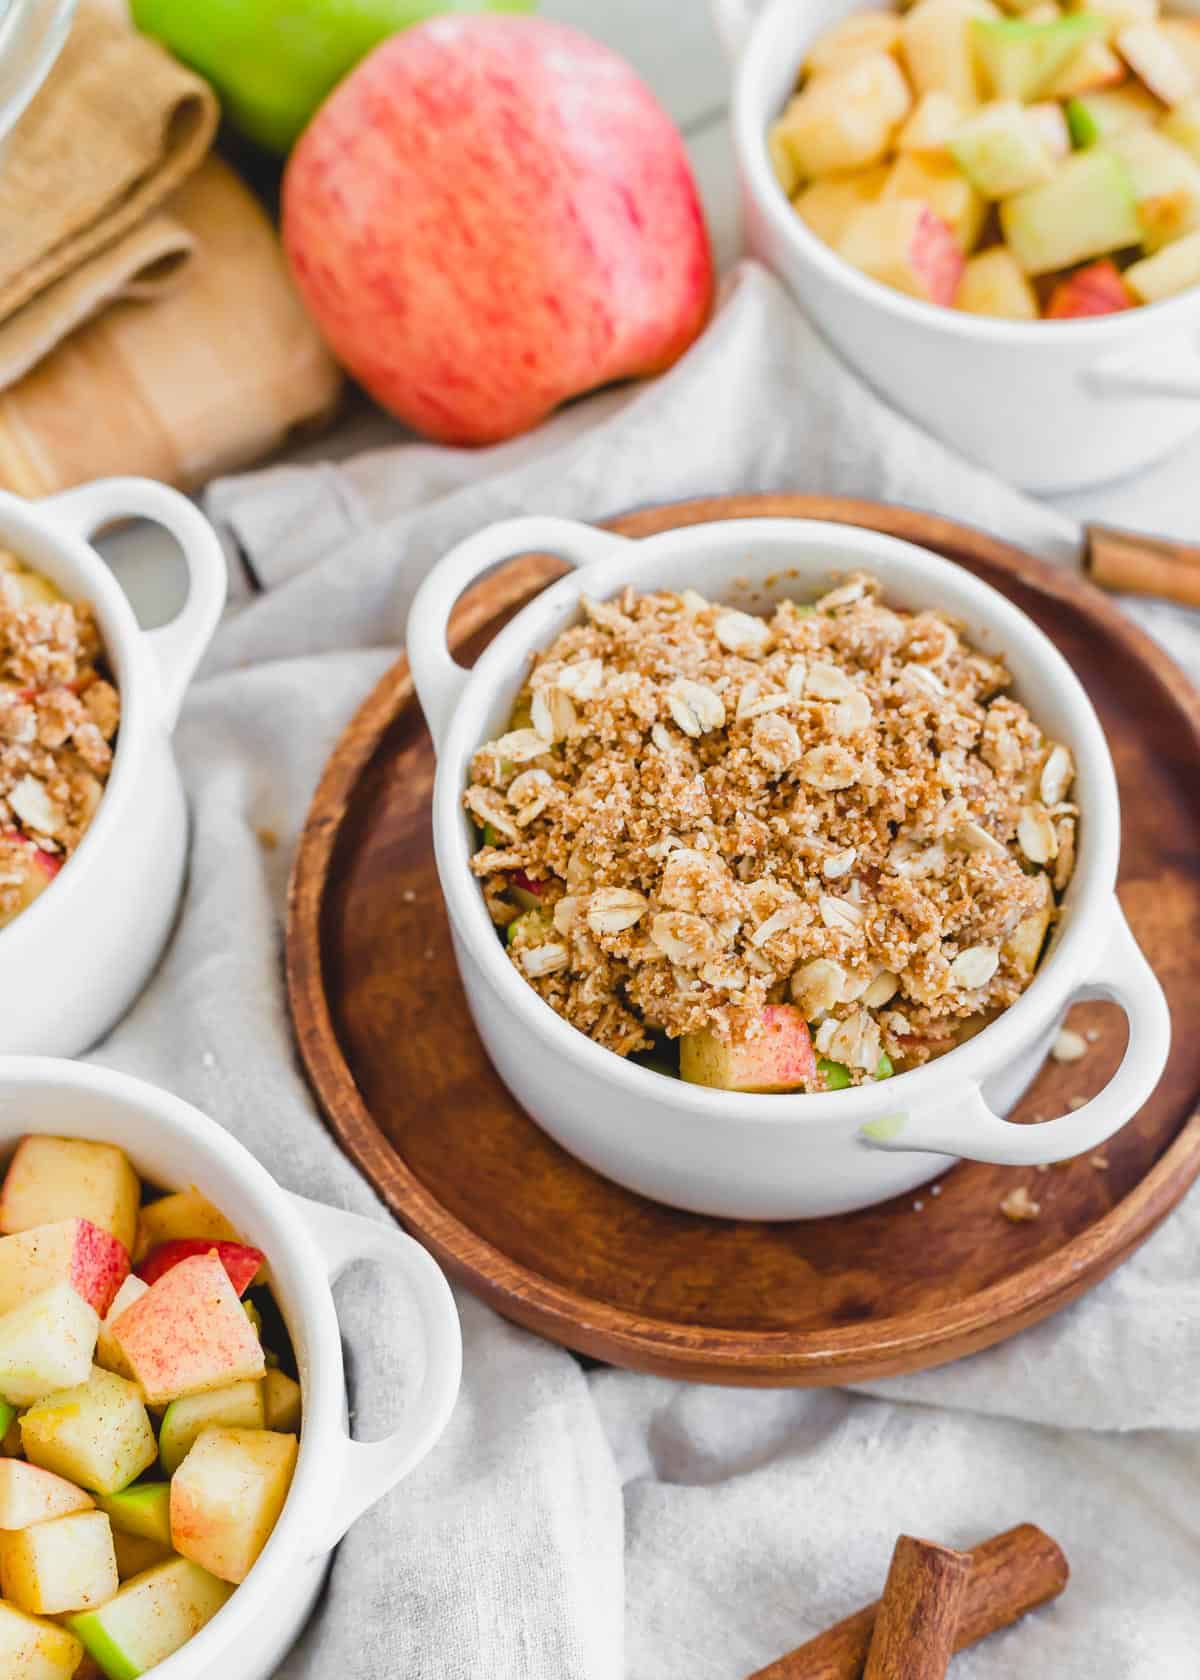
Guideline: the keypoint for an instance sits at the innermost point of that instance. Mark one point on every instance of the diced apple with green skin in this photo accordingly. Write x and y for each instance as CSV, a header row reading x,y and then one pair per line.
x,y
903,244
143,1509
60,1566
1166,184
53,1178
1086,210
240,1406
1182,125
1023,946
10,1434
993,283
226,1498
845,119
97,1435
70,1251
46,1344
281,1398
1000,151
135,1554
1168,272
778,1057
934,119
1156,59
1018,59
941,185
150,1618
29,1494
186,1213
827,205
1093,117
188,1333
1097,289
1093,67
855,37
32,1649
1050,122
108,1353
935,44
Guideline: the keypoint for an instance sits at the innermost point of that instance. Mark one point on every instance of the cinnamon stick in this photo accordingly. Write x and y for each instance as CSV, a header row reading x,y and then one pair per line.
x,y
918,1614
1140,565
1011,1574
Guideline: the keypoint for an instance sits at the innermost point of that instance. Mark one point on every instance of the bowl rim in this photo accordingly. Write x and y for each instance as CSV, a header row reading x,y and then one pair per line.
x,y
1063,968
750,117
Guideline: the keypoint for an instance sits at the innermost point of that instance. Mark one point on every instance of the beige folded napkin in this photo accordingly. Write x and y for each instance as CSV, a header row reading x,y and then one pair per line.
x,y
114,131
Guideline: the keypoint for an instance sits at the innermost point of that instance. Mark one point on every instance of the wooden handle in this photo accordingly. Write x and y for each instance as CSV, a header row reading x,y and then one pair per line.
x,y
1141,565
919,1612
1011,1574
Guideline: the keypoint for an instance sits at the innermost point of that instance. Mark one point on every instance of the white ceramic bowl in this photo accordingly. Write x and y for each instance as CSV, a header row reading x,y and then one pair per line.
x,y
72,963
1051,405
308,1246
779,1157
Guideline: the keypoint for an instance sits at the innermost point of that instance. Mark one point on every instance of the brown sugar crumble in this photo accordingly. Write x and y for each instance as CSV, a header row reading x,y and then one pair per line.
x,y
696,812
58,719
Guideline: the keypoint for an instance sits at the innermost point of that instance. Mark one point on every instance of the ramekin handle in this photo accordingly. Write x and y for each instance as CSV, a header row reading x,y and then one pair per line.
x,y
178,646
733,21
1170,370
967,1127
372,1468
437,677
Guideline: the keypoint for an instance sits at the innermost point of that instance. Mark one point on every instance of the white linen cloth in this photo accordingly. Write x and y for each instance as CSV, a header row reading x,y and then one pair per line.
x,y
592,1525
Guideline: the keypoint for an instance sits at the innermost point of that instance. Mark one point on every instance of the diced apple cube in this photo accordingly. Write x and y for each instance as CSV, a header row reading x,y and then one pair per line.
x,y
940,184
108,1353
59,1566
281,1397
935,44
70,1251
827,205
1182,125
1046,11
1023,946
1050,121
240,1406
53,1178
993,283
226,1498
46,1344
1097,289
903,244
29,1494
1095,65
31,1649
242,1262
150,1618
1157,60
1184,35
188,1333
1000,151
777,1056
1169,271
1166,184
782,163
186,1213
854,37
97,1434
1099,115
143,1508
10,1434
135,1554
27,867
1087,210
934,118
1019,59
1118,13
845,119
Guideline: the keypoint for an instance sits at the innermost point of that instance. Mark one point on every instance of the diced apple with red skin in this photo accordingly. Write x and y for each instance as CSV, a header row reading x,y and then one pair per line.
x,y
108,1353
779,1056
96,1434
184,1214
845,120
1156,59
60,1566
188,1333
70,1251
903,244
1097,289
941,185
1168,272
240,1260
33,1649
1086,210
827,205
52,1178
31,1495
46,1344
993,283
226,1498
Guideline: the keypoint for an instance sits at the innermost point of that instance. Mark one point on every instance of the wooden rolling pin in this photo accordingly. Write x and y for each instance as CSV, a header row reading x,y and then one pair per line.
x,y
1138,565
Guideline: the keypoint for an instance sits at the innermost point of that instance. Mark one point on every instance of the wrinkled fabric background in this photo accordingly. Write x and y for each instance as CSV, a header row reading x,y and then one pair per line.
x,y
593,1525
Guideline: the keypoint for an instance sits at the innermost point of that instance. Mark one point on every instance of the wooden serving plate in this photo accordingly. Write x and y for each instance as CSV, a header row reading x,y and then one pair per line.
x,y
385,1036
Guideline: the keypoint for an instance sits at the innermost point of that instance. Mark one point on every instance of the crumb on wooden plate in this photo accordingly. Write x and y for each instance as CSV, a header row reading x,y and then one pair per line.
x,y
1076,1103
1019,1206
1069,1046
1100,1162
267,839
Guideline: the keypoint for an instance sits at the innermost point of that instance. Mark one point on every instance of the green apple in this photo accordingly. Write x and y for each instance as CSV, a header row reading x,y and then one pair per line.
x,y
1094,116
239,1406
150,1618
143,1509
273,61
1000,150
1087,209
1018,58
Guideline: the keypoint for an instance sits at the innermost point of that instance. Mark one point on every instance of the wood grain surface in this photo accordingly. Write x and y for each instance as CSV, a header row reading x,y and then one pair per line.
x,y
383,1031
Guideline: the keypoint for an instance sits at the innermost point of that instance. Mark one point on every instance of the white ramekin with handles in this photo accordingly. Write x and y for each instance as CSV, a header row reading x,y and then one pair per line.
x,y
72,963
1050,405
757,1156
308,1246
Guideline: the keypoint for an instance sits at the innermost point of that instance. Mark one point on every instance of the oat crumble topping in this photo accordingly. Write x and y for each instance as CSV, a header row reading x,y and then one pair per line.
x,y
58,717
696,812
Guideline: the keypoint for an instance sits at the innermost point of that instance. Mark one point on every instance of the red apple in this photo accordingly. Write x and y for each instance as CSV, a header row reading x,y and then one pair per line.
x,y
70,1251
777,1056
1097,289
490,215
188,1333
239,1259
36,869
